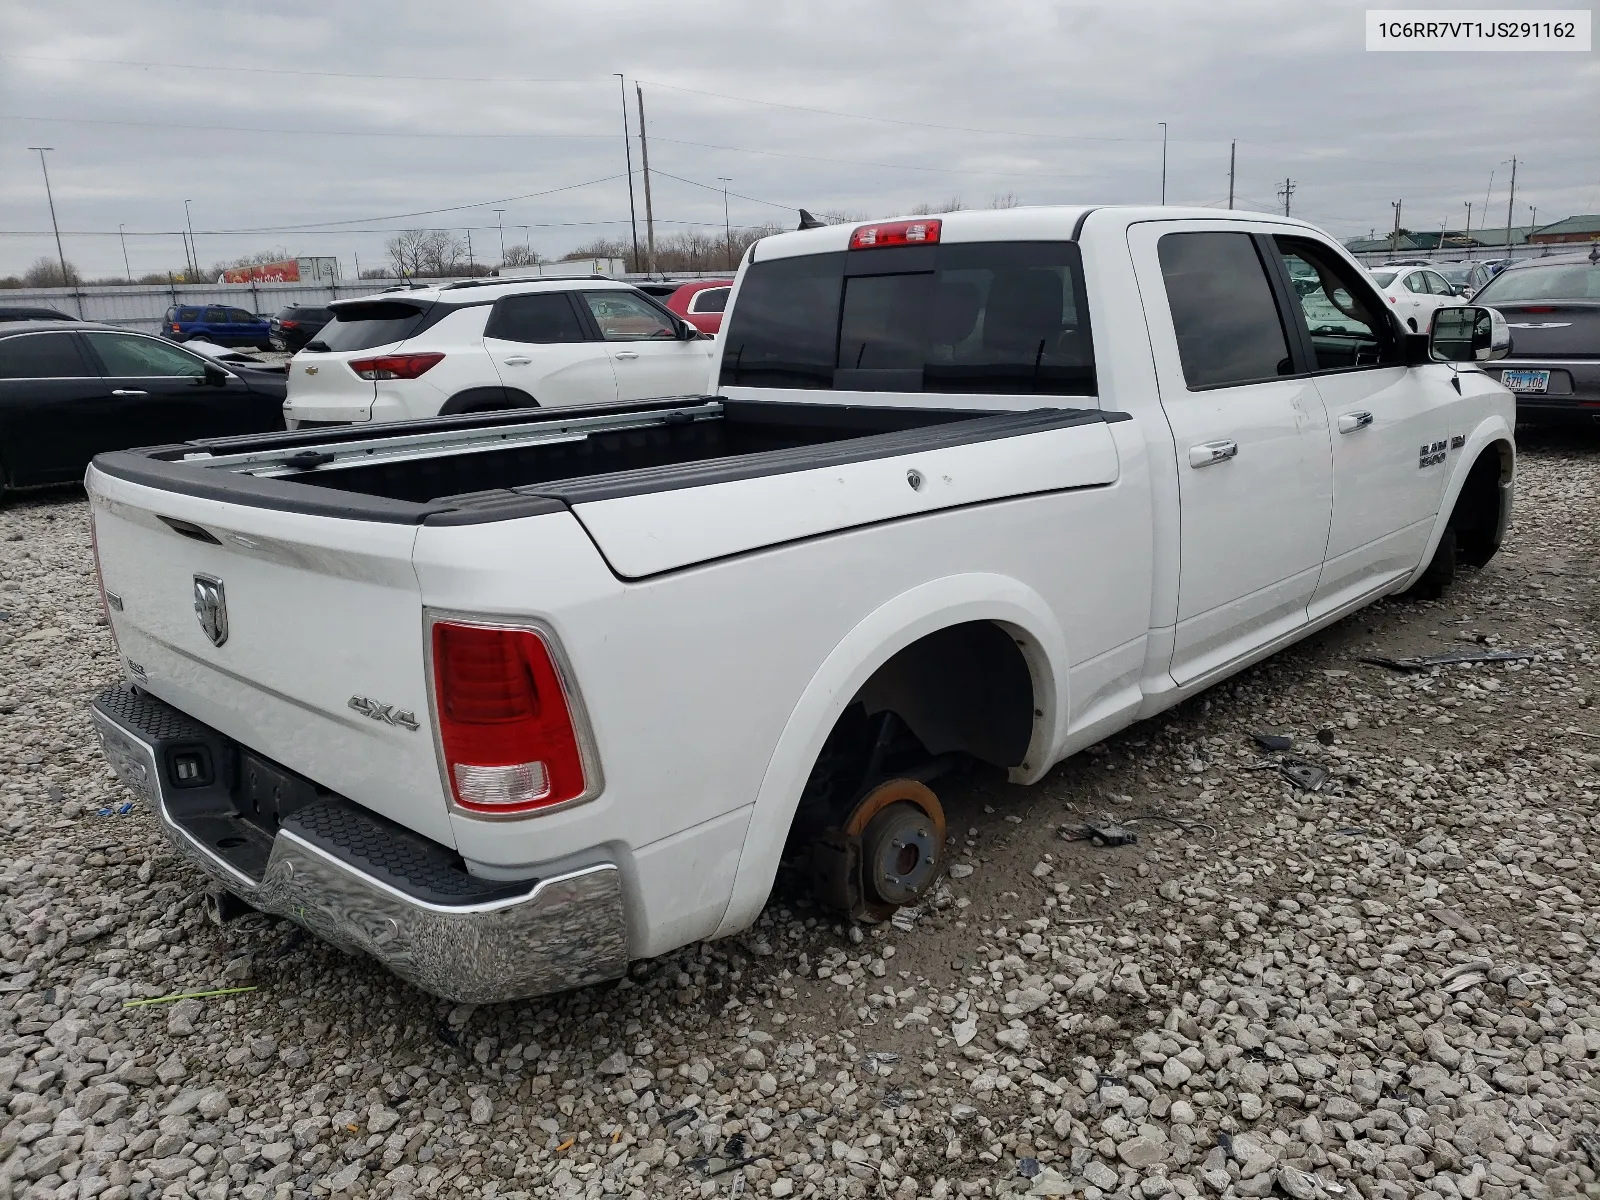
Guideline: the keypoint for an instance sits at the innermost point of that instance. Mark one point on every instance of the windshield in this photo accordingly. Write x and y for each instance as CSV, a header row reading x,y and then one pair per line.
x,y
1558,281
363,326
1384,278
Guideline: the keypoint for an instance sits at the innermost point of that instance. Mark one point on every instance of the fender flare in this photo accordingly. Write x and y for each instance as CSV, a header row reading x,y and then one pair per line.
x,y
486,398
1490,430
881,634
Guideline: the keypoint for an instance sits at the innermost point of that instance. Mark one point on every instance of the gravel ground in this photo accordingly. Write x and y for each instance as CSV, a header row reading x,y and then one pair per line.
x,y
1389,987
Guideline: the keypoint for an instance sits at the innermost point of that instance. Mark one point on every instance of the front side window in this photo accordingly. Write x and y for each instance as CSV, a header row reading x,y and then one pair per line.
x,y
239,317
626,318
1223,311
42,356
543,319
129,355
987,318
1348,326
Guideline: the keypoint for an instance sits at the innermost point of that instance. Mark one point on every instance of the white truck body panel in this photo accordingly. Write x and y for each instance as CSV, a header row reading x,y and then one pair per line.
x,y
717,618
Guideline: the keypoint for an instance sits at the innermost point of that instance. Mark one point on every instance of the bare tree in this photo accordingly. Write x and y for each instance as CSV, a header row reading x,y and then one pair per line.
x,y
1005,200
687,250
377,273
405,252
249,260
46,272
954,204
521,255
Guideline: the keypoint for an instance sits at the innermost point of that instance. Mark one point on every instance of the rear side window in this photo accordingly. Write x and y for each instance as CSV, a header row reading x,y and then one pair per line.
x,y
217,316
1223,312
362,326
979,318
711,300
42,356
188,314
542,319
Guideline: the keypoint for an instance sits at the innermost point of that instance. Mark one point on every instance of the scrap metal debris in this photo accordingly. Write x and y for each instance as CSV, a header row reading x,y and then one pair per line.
x,y
1100,833
1273,741
1454,657
1308,777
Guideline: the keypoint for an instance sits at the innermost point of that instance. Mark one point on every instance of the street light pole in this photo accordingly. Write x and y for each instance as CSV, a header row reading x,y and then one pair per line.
x,y
48,195
627,152
727,229
500,215
125,265
1163,125
194,251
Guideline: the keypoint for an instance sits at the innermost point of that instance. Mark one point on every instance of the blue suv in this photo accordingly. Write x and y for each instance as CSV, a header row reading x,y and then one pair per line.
x,y
217,324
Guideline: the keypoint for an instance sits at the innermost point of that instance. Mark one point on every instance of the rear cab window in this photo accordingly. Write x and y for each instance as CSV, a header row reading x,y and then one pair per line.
x,y
363,326
995,318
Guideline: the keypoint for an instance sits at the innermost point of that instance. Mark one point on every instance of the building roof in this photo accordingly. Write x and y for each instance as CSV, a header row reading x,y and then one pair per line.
x,y
1380,245
1589,223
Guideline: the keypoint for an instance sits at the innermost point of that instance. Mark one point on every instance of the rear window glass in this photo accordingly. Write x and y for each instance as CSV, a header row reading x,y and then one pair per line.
x,y
1383,278
362,326
1559,281
42,356
983,318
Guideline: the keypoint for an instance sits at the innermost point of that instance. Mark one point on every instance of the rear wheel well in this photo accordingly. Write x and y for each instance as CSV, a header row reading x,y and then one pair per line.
x,y
959,695
1479,516
487,399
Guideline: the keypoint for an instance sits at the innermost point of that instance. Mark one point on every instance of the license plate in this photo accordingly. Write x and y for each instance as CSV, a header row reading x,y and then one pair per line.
x,y
1526,381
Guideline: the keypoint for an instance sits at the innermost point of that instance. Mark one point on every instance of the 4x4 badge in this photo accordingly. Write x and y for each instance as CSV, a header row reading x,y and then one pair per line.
x,y
387,713
211,606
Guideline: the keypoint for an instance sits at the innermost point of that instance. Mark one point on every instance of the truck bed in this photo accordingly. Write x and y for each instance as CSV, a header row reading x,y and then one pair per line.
x,y
480,467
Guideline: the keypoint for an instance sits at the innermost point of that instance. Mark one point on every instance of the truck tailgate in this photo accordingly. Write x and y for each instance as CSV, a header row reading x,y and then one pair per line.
x,y
320,612
643,533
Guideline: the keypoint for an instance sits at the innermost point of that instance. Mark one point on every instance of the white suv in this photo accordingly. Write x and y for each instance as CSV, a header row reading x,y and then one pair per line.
x,y
487,344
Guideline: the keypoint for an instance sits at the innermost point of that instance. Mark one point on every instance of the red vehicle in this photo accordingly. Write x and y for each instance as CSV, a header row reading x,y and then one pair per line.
x,y
702,303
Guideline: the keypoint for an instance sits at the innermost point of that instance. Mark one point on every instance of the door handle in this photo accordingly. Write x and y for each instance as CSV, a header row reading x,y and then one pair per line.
x,y
1212,452
1350,422
627,354
128,392
516,362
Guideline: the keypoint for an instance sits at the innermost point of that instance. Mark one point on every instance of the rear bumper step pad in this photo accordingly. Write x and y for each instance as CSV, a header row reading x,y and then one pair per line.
x,y
356,879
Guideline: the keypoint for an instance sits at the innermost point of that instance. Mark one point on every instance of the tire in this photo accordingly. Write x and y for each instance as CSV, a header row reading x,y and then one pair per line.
x,y
1441,572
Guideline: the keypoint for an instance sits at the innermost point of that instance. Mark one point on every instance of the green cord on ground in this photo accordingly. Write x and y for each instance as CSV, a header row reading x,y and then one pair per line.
x,y
188,996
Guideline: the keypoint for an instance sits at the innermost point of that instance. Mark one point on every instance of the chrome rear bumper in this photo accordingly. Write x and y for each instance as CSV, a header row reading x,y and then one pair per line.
x,y
562,932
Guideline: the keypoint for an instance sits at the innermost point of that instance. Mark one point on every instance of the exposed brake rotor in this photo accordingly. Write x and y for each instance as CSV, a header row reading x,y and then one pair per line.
x,y
887,853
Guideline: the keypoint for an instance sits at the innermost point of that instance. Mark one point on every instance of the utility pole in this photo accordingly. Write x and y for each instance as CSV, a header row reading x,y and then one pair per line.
x,y
1510,200
727,229
1394,238
627,151
1233,148
1286,193
194,250
50,196
1469,230
1163,125
1533,217
500,216
649,211
125,265
472,265
356,255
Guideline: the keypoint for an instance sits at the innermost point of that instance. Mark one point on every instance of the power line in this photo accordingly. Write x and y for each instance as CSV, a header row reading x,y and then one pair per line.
x,y
856,162
362,133
233,68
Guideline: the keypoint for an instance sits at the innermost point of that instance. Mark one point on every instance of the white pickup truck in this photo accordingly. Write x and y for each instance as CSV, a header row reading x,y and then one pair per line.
x,y
508,699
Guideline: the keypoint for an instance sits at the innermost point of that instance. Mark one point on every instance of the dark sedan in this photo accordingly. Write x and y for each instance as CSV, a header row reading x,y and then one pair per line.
x,y
70,390
1553,307
296,325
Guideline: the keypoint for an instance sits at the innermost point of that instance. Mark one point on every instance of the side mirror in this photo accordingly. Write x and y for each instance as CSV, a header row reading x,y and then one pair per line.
x,y
687,332
1468,334
215,375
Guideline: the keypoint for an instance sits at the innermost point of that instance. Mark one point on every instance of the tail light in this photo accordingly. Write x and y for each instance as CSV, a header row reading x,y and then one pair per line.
x,y
896,233
176,328
289,324
1538,308
100,579
396,366
505,720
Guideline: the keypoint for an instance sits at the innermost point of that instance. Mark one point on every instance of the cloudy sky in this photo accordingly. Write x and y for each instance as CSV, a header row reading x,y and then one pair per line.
x,y
319,128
